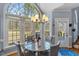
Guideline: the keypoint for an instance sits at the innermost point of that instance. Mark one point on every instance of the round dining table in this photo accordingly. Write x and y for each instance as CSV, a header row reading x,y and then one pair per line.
x,y
33,46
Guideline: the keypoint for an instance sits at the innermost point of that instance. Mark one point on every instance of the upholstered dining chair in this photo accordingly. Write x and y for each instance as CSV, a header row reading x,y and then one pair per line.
x,y
54,49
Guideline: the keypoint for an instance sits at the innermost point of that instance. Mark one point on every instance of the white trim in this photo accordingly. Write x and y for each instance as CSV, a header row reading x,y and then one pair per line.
x,y
50,24
4,29
4,25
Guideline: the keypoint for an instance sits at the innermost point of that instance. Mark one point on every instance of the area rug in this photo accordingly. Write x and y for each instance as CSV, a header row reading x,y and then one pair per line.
x,y
66,52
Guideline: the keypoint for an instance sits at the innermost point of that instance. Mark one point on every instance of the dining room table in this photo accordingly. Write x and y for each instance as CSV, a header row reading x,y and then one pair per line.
x,y
34,46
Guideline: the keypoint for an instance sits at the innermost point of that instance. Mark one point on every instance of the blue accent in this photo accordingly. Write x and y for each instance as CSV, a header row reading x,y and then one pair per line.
x,y
66,52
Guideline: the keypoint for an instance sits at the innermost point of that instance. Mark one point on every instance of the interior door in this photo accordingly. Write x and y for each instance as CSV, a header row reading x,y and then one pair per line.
x,y
62,31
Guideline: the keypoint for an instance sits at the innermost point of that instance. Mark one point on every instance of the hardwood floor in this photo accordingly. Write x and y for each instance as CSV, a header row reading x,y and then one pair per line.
x,y
13,54
75,50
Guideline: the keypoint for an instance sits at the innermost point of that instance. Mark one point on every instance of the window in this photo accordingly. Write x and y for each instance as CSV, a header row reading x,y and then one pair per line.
x,y
13,30
16,9
15,12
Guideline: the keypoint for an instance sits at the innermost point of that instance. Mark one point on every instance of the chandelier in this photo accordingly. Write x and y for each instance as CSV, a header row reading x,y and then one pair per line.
x,y
37,19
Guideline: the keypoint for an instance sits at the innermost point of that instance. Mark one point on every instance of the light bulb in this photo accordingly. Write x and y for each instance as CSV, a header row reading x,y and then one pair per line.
x,y
36,16
45,18
33,18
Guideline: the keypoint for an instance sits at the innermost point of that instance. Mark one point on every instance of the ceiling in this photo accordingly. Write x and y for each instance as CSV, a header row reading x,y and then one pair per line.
x,y
69,6
48,7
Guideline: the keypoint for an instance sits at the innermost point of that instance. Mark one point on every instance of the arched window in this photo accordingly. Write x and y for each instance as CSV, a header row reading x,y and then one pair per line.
x,y
15,12
21,9
16,9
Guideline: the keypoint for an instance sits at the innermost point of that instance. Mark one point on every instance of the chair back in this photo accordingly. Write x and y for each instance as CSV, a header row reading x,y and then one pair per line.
x,y
19,49
29,38
54,49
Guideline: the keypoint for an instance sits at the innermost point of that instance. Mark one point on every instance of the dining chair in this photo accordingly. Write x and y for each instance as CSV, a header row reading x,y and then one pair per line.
x,y
27,52
76,43
54,49
20,49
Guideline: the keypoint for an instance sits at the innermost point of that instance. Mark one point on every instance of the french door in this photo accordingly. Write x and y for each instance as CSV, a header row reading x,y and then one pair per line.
x,y
62,31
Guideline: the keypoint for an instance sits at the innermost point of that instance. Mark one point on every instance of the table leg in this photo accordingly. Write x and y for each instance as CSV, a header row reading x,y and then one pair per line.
x,y
36,53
